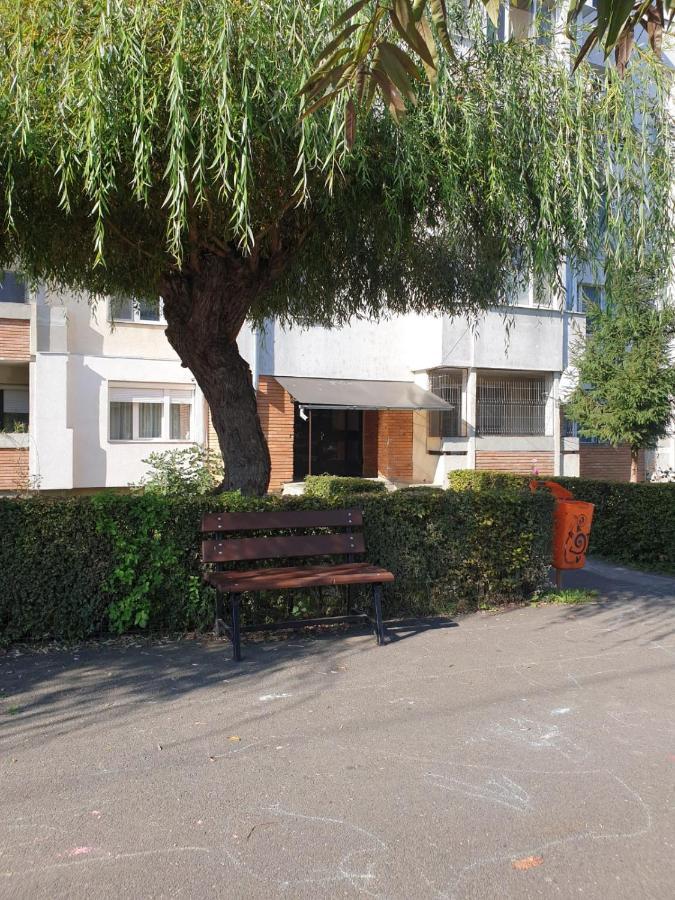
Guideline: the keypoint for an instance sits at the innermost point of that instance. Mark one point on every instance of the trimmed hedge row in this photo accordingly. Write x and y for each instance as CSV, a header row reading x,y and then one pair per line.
x,y
633,524
334,486
77,567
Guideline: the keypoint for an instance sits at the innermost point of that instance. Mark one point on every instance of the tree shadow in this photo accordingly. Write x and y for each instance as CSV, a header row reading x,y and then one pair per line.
x,y
628,600
78,688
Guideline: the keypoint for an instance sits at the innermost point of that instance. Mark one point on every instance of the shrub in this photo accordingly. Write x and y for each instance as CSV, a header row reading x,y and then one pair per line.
x,y
182,472
487,480
82,566
334,486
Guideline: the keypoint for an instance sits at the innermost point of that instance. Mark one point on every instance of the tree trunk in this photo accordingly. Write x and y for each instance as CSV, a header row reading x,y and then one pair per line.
x,y
205,308
634,458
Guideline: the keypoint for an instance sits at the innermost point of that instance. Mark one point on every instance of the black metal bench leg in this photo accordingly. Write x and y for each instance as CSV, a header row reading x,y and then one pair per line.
x,y
220,615
236,631
377,603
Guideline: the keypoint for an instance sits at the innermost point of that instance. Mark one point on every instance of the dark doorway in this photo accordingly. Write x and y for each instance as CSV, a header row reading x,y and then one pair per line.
x,y
337,442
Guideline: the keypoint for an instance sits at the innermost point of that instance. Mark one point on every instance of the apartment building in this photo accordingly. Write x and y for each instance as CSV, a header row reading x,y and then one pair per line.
x,y
83,399
87,393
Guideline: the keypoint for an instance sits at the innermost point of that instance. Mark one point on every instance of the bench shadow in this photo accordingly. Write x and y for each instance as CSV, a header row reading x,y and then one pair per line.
x,y
402,629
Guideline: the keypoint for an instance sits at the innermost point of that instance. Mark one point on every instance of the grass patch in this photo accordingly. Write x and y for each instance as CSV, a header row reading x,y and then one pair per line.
x,y
566,596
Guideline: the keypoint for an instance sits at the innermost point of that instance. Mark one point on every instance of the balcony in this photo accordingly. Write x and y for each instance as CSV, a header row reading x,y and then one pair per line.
x,y
15,313
14,423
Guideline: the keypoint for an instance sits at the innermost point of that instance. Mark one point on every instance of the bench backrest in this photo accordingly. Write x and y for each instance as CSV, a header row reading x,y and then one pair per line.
x,y
220,549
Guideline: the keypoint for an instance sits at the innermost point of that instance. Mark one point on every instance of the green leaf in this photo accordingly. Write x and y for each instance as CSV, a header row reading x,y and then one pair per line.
x,y
335,43
350,12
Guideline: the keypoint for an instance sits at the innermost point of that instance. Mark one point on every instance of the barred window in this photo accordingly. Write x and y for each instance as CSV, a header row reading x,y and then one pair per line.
x,y
513,405
447,384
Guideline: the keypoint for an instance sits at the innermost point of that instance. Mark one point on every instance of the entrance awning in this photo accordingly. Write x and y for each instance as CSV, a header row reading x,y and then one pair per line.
x,y
349,393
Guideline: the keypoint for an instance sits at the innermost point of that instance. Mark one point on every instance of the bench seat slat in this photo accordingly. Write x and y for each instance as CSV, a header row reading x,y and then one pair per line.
x,y
299,577
234,549
303,518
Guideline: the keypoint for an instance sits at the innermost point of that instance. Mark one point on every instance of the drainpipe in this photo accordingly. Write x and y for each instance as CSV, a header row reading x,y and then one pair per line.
x,y
255,359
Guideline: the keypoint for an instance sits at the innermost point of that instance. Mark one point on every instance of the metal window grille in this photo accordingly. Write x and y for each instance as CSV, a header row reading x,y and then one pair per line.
x,y
515,405
448,386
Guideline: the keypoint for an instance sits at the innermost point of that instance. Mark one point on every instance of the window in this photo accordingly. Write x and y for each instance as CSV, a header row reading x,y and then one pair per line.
x,y
512,405
127,309
447,384
12,288
121,421
590,294
150,414
14,409
149,421
180,421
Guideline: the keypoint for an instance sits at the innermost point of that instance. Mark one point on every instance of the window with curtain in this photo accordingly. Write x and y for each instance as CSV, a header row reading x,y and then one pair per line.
x,y
150,413
149,420
180,421
121,421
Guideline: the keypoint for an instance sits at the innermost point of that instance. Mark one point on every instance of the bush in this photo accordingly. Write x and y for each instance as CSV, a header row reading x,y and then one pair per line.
x,y
487,480
82,566
633,524
334,486
182,472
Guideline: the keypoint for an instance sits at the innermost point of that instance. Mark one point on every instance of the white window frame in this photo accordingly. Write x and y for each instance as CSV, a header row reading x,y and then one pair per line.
x,y
136,315
152,393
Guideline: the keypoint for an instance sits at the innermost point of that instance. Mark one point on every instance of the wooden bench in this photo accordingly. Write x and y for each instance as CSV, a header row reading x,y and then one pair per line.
x,y
219,549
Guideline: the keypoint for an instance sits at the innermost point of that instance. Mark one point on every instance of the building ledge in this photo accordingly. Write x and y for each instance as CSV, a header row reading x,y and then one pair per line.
x,y
14,440
14,310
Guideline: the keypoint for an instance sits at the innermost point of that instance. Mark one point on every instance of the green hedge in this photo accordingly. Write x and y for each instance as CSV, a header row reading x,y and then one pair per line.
x,y
335,486
77,567
487,480
633,524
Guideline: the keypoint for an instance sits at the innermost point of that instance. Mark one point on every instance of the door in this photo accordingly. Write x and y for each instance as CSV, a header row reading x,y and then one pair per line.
x,y
337,442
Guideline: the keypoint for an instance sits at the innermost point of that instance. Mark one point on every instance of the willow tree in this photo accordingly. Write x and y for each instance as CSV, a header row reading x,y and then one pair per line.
x,y
164,148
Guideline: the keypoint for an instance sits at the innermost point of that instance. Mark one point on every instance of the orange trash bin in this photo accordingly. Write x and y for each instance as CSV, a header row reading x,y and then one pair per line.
x,y
572,521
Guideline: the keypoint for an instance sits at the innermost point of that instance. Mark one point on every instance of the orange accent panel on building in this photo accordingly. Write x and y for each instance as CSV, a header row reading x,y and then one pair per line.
x,y
15,339
608,463
395,444
13,468
276,411
519,462
370,443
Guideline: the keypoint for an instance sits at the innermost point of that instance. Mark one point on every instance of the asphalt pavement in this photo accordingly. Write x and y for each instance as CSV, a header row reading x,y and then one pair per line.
x,y
525,753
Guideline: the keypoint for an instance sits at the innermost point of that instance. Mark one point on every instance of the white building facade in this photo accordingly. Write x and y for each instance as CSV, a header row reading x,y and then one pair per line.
x,y
84,399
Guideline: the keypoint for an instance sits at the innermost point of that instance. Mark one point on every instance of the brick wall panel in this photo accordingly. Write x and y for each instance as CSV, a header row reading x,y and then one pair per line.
x,y
276,411
521,463
608,463
395,444
13,468
15,339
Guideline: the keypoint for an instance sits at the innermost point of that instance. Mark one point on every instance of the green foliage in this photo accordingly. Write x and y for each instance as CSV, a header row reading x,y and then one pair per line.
x,y
78,567
187,471
626,383
487,480
334,486
566,596
141,135
633,524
